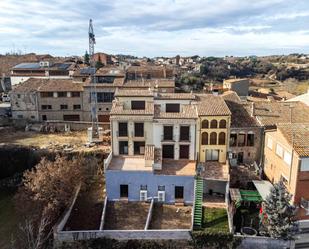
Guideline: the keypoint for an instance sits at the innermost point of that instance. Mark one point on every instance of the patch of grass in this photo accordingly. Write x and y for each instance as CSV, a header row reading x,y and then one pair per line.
x,y
8,219
215,220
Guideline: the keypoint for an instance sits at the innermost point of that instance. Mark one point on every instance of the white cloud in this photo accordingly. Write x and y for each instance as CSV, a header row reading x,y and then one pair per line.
x,y
161,27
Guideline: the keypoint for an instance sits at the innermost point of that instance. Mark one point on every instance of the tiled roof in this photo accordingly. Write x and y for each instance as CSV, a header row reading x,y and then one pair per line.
x,y
297,135
211,105
181,96
272,113
60,85
29,85
241,116
188,111
117,109
149,83
133,93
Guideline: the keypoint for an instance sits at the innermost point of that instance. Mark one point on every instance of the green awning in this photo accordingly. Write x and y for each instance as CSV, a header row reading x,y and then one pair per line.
x,y
250,195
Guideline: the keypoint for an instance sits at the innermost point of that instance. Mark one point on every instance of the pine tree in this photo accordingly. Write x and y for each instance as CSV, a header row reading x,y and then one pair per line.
x,y
278,214
86,58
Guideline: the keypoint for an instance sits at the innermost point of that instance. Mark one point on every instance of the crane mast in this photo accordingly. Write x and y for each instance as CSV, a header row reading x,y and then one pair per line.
x,y
93,90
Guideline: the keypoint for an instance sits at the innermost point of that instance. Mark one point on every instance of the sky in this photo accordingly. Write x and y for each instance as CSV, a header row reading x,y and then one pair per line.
x,y
156,27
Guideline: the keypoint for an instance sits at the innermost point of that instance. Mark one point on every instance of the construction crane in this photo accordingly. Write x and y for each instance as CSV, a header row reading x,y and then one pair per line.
x,y
93,89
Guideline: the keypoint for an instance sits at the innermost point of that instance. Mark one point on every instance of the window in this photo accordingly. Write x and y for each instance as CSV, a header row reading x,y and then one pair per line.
x,y
105,79
250,139
205,124
75,94
46,107
241,140
168,151
47,94
20,116
139,129
123,129
222,123
213,138
222,138
178,192
204,138
287,157
63,107
233,139
184,133
71,118
279,150
138,105
269,143
76,107
44,117
18,96
123,147
139,148
105,97
172,108
32,117
184,151
304,164
168,132
212,155
213,123
62,94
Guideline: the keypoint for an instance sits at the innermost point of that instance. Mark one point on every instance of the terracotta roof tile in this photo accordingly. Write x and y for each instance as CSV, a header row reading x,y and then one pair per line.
x,y
60,85
211,105
271,113
297,135
187,112
133,93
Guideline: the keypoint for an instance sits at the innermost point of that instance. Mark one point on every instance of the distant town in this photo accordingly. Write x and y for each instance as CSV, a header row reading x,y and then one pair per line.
x,y
184,151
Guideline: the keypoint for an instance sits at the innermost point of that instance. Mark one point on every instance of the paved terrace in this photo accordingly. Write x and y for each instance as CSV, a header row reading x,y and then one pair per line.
x,y
180,167
128,163
215,171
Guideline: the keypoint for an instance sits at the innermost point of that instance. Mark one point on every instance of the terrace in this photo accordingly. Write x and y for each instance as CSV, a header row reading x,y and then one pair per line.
x,y
177,167
128,163
215,171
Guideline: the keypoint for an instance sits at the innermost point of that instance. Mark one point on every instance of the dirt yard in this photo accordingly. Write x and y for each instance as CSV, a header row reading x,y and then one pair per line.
x,y
123,215
56,141
170,217
87,211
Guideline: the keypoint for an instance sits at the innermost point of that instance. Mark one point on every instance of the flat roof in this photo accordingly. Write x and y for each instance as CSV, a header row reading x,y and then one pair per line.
x,y
215,171
263,187
128,163
182,167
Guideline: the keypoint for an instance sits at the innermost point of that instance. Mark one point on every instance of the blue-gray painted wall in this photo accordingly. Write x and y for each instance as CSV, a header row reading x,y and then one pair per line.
x,y
134,179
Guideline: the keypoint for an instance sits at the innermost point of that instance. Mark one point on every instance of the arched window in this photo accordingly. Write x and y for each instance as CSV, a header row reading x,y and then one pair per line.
x,y
222,123
205,124
204,138
222,138
213,123
213,138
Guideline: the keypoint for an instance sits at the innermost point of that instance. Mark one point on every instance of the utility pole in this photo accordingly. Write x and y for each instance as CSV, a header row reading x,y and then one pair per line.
x,y
93,89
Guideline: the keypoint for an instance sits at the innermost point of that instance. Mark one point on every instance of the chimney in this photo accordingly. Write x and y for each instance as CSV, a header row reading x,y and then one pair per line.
x,y
252,109
164,71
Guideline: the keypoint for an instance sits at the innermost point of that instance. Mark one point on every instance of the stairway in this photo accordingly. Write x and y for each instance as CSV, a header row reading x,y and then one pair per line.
x,y
198,210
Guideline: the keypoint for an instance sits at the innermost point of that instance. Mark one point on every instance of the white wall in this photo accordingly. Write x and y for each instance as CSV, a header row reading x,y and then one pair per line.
x,y
304,164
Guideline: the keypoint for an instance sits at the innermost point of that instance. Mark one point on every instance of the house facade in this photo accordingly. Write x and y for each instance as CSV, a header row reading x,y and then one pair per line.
x,y
287,159
157,147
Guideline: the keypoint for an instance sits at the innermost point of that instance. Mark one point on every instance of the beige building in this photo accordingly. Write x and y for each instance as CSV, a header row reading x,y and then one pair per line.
x,y
287,158
240,86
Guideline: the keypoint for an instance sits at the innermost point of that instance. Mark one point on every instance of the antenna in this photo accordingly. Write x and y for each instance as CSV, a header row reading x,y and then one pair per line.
x,y
93,91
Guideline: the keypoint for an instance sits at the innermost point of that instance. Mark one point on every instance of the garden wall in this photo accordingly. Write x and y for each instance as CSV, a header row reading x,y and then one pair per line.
x,y
263,243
